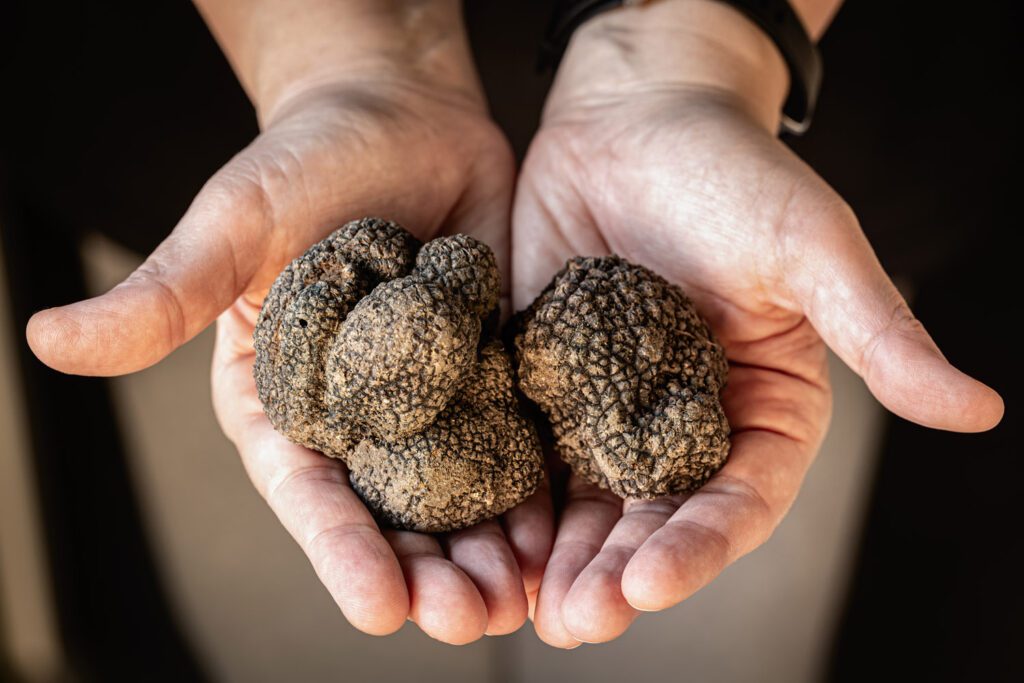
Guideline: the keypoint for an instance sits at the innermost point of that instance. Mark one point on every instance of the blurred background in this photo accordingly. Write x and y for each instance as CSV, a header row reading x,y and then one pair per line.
x,y
132,546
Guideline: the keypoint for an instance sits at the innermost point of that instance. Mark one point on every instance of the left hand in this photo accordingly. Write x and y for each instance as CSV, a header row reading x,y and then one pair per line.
x,y
680,170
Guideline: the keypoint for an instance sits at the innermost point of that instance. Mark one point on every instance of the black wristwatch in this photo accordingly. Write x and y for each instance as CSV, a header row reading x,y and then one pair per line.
x,y
775,17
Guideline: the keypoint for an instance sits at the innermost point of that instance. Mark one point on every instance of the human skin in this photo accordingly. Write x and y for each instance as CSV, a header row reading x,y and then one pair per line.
x,y
396,104
658,143
365,108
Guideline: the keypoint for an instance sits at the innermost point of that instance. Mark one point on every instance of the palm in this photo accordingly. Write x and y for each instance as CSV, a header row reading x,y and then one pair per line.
x,y
427,157
433,164
338,155
696,192
672,196
701,196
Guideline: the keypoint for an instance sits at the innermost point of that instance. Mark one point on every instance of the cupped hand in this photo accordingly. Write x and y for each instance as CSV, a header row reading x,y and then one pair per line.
x,y
689,179
404,149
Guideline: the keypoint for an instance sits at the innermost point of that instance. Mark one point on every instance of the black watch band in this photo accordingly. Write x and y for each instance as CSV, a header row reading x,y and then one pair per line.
x,y
775,17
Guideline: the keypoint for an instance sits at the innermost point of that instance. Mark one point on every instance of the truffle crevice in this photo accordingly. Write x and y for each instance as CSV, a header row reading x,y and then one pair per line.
x,y
374,349
629,376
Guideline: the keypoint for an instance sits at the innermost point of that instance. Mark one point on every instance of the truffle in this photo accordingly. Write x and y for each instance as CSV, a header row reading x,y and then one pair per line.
x,y
378,350
629,376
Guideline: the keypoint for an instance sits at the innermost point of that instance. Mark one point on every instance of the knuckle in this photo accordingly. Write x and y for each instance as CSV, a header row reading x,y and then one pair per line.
x,y
899,320
154,275
706,536
744,493
311,474
837,211
239,189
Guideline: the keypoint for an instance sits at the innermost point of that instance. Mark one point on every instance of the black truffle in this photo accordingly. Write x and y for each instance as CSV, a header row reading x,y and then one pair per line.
x,y
628,374
372,349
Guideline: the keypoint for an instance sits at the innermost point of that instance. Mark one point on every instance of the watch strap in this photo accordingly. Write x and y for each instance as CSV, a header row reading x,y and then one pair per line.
x,y
776,18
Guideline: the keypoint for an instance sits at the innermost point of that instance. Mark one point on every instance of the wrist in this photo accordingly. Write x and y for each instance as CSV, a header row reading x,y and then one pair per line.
x,y
697,46
281,50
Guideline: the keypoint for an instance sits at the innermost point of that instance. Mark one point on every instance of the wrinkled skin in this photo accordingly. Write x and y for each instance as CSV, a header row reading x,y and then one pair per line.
x,y
329,154
682,178
692,182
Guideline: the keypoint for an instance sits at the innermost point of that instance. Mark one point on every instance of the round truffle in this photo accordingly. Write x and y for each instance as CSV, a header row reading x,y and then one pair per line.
x,y
373,348
629,376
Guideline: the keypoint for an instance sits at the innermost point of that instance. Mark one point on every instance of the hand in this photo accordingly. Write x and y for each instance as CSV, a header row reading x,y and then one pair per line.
x,y
680,170
393,138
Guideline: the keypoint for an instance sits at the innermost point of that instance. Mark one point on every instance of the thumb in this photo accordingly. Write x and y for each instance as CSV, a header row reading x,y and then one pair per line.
x,y
858,311
193,275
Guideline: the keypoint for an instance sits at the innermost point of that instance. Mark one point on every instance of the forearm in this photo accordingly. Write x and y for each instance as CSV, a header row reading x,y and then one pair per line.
x,y
278,46
667,44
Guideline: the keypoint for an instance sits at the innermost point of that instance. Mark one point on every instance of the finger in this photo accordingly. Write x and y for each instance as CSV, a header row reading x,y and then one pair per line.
x,y
444,602
589,515
595,611
731,515
310,494
529,528
483,553
180,289
858,311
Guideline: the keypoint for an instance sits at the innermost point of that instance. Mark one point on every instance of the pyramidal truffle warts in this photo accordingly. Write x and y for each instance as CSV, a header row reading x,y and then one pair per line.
x,y
372,348
629,376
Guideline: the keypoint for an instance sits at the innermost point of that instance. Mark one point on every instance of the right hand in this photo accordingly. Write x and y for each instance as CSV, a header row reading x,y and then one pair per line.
x,y
658,143
390,141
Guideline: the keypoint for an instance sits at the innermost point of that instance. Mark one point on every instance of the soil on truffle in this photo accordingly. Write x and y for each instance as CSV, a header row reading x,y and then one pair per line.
x,y
373,348
629,376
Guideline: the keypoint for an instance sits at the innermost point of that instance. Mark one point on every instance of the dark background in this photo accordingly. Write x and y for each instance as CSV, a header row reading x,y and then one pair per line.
x,y
113,115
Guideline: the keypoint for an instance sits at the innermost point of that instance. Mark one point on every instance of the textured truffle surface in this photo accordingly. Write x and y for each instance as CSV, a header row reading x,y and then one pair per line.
x,y
370,347
628,374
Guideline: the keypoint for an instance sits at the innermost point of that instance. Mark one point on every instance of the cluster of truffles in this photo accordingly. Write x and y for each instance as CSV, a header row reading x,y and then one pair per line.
x,y
373,348
381,351
629,376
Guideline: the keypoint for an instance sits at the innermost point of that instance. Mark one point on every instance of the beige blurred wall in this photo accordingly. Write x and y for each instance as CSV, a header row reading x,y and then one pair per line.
x,y
26,604
254,610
